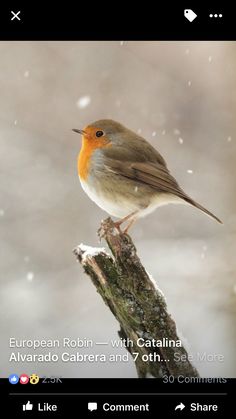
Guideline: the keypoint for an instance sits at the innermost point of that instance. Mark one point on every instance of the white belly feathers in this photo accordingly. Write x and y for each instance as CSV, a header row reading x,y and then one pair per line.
x,y
125,207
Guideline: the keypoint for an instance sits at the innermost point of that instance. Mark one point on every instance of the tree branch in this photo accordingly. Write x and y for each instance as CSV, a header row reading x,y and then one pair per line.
x,y
137,303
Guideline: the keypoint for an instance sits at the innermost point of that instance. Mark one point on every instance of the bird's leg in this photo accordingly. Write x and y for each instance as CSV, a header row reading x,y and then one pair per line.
x,y
122,220
117,224
132,221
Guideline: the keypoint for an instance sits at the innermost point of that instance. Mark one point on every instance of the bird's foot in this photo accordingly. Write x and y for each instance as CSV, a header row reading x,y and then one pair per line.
x,y
131,218
115,226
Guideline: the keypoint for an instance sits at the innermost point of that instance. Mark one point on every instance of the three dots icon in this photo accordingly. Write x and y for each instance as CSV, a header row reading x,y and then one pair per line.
x,y
215,15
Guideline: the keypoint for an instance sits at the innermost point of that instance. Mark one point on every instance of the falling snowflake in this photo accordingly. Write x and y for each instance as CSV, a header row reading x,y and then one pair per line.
x,y
181,140
203,255
2,212
122,43
26,74
30,276
83,102
139,131
154,133
163,132
15,122
189,83
210,59
136,189
229,139
190,171
187,51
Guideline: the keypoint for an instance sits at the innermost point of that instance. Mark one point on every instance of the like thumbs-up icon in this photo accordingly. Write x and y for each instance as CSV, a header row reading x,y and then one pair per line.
x,y
28,406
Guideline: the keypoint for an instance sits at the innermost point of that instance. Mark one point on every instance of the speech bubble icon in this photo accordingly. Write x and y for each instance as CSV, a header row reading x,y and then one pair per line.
x,y
92,406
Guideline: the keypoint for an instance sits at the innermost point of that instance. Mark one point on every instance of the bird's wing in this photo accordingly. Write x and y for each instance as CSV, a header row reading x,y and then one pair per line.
x,y
133,150
155,175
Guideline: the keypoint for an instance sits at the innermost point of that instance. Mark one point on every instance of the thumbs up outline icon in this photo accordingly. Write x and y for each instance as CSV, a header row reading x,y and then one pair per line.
x,y
27,406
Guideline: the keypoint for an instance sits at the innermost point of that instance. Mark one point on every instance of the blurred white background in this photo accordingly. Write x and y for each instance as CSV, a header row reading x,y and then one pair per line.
x,y
178,95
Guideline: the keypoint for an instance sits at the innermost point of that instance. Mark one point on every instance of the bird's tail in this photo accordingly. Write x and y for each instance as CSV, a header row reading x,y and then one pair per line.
x,y
195,204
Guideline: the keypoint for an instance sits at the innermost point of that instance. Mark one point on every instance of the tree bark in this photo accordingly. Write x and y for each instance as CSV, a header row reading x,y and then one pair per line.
x,y
137,303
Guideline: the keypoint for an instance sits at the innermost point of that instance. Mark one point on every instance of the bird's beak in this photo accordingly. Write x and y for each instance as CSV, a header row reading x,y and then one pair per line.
x,y
79,131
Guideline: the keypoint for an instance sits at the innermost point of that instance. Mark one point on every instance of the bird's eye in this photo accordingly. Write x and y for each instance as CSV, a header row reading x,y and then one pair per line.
x,y
99,133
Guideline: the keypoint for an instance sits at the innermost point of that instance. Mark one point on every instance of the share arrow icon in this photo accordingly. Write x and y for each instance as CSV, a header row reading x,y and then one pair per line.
x,y
180,406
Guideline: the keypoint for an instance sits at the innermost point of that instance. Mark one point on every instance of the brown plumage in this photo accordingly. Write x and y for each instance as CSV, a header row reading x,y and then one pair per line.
x,y
125,175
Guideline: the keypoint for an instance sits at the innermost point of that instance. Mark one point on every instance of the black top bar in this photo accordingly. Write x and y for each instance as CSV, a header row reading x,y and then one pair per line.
x,y
115,21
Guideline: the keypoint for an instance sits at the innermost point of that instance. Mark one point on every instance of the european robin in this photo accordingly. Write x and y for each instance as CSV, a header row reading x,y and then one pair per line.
x,y
124,174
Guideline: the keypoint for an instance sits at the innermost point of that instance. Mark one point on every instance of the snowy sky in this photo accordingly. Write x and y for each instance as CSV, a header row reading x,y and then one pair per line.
x,y
178,95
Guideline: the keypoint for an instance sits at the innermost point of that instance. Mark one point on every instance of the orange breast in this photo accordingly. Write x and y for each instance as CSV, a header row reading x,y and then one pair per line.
x,y
84,158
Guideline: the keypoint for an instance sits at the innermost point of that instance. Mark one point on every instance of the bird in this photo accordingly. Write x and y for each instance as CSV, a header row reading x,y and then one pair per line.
x,y
125,175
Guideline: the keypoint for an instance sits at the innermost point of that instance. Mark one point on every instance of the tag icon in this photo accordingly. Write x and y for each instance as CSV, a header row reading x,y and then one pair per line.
x,y
190,14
